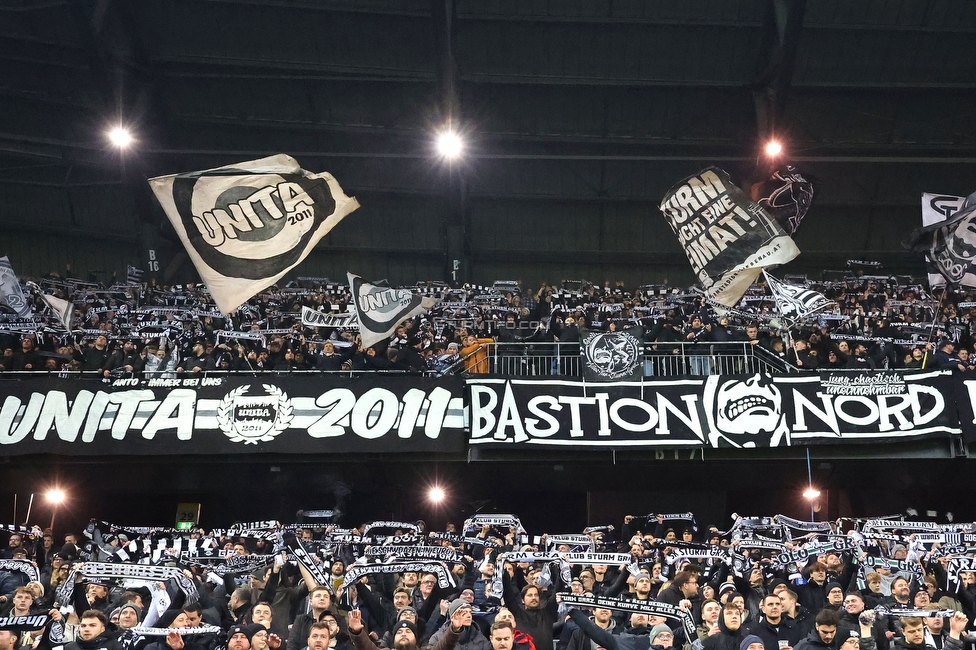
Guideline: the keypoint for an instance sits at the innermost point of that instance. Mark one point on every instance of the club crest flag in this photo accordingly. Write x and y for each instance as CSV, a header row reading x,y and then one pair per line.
x,y
795,303
728,238
245,225
381,308
949,253
612,355
11,294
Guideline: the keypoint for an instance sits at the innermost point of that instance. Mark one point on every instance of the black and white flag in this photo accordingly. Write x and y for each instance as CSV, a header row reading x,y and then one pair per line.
x,y
246,225
728,238
795,303
786,195
61,308
134,275
612,355
381,308
11,293
948,237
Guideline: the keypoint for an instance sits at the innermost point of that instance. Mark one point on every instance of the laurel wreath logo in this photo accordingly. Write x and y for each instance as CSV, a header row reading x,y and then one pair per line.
x,y
225,415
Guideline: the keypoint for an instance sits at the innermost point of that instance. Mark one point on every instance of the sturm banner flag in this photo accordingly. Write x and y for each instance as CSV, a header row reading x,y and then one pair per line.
x,y
244,226
741,411
728,238
381,308
221,415
945,256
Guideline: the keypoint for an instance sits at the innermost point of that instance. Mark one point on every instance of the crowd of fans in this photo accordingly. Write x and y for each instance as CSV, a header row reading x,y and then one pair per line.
x,y
877,322
833,599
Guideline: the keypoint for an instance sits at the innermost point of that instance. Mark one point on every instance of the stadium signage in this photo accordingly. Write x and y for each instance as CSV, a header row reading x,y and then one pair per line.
x,y
213,415
741,411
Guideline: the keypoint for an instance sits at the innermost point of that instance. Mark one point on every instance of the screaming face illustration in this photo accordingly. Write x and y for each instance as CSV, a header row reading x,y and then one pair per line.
x,y
746,413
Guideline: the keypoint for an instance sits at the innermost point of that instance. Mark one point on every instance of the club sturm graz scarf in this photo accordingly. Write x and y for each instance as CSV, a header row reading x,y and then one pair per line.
x,y
103,570
650,608
23,566
356,571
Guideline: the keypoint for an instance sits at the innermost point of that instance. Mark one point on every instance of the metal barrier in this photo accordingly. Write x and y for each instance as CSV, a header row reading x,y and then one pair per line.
x,y
659,359
529,360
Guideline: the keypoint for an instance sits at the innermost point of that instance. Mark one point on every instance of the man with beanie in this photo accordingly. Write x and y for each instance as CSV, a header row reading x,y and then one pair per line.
x,y
751,642
471,638
661,636
129,616
405,633
238,637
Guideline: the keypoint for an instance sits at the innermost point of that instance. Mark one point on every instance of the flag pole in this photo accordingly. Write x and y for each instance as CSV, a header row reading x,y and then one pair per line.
x,y
935,321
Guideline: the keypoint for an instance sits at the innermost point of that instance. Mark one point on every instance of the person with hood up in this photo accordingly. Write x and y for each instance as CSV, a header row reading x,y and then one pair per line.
x,y
729,634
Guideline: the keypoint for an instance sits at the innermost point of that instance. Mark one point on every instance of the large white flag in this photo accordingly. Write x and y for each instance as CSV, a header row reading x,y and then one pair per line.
x,y
244,226
381,308
10,292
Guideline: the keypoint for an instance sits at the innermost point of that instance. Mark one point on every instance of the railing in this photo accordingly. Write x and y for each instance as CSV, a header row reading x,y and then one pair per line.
x,y
658,359
524,359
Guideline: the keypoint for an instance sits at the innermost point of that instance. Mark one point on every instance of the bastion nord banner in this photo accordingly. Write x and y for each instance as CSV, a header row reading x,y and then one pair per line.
x,y
228,415
734,411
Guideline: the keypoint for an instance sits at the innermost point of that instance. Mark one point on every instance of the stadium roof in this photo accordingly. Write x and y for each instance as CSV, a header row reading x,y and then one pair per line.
x,y
578,116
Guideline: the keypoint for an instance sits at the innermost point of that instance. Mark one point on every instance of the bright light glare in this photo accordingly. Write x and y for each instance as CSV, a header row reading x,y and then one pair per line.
x,y
55,496
773,148
811,493
436,495
449,144
120,137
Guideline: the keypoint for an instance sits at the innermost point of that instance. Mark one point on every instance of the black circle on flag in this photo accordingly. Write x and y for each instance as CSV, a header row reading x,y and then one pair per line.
x,y
254,264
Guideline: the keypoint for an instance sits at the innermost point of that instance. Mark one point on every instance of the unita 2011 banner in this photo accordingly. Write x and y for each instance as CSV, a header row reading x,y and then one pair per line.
x,y
217,415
